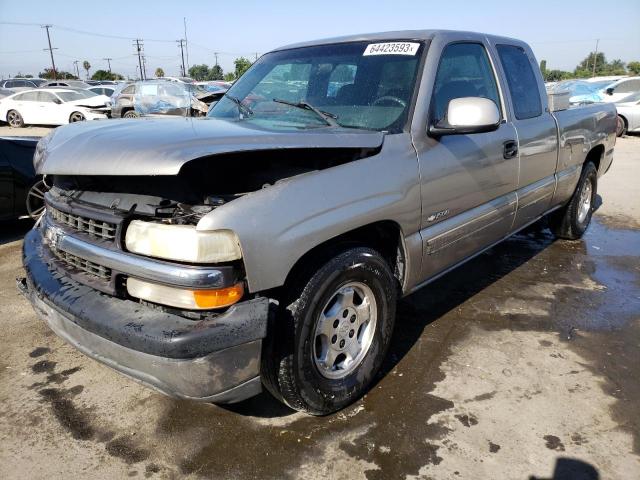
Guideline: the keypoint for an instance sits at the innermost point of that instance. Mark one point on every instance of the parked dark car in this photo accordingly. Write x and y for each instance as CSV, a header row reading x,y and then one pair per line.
x,y
21,190
18,84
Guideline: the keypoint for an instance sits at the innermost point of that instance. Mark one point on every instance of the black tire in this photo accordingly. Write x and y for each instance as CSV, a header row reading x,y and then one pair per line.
x,y
621,127
130,114
76,117
567,222
14,119
290,369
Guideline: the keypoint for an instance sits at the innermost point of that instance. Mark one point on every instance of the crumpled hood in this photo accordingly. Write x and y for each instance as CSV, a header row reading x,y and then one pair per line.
x,y
161,146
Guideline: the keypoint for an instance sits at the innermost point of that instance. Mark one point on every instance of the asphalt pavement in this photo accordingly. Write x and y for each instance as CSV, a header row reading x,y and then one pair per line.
x,y
521,364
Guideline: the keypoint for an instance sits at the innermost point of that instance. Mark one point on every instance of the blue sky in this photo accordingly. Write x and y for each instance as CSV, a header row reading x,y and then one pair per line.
x,y
562,32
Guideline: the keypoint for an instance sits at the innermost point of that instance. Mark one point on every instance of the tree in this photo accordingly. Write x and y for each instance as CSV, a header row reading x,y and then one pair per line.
x,y
229,77
543,68
86,65
557,75
159,72
61,75
242,65
215,73
199,72
106,75
634,68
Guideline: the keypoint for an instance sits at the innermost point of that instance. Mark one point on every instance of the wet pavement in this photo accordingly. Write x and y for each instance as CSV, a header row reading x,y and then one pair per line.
x,y
523,363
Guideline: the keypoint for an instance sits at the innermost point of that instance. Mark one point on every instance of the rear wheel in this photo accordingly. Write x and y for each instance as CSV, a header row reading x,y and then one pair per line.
x,y
14,119
131,114
621,127
332,333
571,221
76,117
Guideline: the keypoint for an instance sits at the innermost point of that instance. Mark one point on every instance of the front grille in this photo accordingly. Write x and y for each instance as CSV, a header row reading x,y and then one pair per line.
x,y
83,265
93,228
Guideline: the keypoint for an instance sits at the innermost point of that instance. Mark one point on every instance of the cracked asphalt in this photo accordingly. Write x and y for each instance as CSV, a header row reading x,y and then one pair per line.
x,y
521,364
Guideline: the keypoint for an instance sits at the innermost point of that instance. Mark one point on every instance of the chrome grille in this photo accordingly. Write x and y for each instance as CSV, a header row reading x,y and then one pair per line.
x,y
94,228
83,265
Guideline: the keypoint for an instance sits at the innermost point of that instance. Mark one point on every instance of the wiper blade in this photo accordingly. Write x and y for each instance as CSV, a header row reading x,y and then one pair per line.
x,y
241,106
328,117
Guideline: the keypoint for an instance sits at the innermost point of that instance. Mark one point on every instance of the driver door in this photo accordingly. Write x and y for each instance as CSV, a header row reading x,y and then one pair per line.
x,y
468,181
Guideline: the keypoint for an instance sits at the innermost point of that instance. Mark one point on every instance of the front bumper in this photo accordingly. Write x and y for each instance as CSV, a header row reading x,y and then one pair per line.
x,y
213,360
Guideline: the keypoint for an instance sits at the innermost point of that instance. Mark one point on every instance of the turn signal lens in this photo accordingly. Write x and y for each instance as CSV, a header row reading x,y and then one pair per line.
x,y
183,298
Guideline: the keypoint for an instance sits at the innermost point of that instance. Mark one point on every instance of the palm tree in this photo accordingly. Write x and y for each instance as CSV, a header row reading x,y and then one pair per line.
x,y
86,65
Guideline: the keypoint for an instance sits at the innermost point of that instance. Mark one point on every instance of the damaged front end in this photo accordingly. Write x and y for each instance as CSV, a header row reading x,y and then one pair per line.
x,y
119,268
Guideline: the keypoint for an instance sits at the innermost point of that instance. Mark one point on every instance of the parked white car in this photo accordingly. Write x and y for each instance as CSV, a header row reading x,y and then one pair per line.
x,y
628,114
616,91
51,107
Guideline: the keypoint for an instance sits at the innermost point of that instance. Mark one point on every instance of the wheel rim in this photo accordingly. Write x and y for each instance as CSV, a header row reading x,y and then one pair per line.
x,y
344,331
585,202
35,199
76,117
14,119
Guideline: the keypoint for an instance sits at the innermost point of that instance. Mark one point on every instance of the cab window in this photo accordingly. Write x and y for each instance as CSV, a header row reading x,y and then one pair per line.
x,y
521,80
464,71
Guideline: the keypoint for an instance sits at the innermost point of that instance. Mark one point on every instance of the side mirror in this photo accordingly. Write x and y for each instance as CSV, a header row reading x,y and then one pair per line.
x,y
468,115
609,91
57,100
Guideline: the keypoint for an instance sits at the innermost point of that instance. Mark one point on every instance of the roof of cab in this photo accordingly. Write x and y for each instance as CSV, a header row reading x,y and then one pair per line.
x,y
420,35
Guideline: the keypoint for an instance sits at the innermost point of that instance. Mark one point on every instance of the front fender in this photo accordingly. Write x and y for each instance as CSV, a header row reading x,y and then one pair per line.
x,y
279,224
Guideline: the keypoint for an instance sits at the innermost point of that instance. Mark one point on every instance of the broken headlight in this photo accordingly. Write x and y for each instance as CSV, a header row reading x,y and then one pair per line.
x,y
182,242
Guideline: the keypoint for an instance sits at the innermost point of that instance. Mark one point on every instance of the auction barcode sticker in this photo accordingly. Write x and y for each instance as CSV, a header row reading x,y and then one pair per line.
x,y
391,48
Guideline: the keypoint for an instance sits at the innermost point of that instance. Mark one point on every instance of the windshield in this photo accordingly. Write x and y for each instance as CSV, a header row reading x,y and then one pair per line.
x,y
358,84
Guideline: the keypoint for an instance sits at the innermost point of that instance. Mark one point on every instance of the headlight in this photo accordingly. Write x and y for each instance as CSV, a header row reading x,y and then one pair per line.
x,y
41,151
182,242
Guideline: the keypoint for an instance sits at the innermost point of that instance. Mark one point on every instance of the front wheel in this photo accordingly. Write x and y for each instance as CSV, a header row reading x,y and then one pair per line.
x,y
76,117
332,334
571,221
131,114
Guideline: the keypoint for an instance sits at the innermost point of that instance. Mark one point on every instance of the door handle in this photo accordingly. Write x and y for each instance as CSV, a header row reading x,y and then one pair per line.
x,y
510,149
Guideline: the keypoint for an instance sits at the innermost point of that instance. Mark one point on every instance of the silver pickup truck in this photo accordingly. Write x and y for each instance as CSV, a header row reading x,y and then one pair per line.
x,y
267,244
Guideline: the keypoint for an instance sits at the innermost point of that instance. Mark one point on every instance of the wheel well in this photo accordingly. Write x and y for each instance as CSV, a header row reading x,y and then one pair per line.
x,y
595,155
385,237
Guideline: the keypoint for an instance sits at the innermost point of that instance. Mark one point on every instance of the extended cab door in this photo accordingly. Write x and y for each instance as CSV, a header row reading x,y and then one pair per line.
x,y
467,180
536,129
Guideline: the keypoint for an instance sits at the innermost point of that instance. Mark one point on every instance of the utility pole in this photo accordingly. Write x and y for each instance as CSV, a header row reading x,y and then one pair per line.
x,y
138,44
53,64
181,42
144,66
75,64
186,42
595,59
215,54
108,62
256,57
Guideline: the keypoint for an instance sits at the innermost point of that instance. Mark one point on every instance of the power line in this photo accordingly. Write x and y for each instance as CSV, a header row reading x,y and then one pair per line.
x,y
53,64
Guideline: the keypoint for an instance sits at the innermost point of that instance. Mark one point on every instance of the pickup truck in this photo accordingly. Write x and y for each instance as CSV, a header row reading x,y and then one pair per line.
x,y
267,244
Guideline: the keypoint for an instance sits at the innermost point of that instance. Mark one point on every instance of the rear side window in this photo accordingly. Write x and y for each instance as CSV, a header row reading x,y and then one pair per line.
x,y
128,90
464,71
521,80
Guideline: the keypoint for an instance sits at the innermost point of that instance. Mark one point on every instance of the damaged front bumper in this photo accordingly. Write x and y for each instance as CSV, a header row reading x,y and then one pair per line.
x,y
212,360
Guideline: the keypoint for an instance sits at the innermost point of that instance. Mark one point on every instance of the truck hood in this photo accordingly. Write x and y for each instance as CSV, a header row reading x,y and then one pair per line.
x,y
161,146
